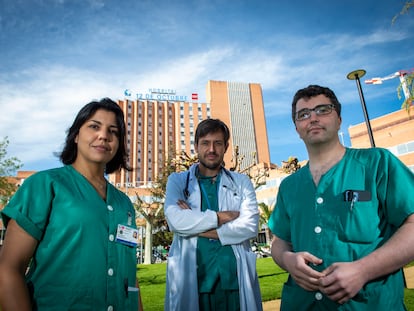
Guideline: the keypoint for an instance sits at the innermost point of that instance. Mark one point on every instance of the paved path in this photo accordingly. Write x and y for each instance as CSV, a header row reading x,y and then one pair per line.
x,y
409,277
274,305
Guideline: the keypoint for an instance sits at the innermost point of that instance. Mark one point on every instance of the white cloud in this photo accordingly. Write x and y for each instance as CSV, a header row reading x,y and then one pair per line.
x,y
39,102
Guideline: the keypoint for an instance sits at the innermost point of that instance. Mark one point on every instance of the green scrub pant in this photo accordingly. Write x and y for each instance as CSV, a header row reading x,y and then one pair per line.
x,y
219,299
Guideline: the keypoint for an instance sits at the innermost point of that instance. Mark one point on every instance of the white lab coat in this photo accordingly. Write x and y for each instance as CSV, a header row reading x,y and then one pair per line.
x,y
236,193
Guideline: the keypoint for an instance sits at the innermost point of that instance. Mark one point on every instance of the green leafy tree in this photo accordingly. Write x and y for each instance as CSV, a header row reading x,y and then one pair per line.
x,y
265,212
8,166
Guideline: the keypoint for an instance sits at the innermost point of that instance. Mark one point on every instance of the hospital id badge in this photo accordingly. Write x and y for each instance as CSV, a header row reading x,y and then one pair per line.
x,y
127,235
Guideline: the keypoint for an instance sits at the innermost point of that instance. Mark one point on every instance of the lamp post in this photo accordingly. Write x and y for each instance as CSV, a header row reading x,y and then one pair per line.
x,y
355,75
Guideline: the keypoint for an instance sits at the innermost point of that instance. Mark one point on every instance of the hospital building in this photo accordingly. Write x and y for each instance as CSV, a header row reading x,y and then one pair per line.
x,y
161,121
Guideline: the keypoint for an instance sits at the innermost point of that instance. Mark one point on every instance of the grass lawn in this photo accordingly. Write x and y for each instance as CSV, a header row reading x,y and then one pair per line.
x,y
271,278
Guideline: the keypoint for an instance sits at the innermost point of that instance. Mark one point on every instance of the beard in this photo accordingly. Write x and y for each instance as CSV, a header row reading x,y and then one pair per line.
x,y
211,165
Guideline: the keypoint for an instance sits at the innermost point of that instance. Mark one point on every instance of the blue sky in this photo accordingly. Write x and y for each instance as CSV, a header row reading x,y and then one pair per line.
x,y
57,55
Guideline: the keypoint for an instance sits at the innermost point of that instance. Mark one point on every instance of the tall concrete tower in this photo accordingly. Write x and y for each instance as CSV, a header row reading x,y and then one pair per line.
x,y
240,106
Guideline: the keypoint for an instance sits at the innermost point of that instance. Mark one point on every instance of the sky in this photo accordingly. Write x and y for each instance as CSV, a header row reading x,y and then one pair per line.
x,y
58,55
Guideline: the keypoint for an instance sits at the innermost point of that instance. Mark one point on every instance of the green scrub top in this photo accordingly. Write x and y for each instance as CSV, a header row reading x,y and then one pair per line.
x,y
214,261
319,220
78,265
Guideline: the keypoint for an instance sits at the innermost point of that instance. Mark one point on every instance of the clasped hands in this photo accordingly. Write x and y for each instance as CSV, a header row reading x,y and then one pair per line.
x,y
340,281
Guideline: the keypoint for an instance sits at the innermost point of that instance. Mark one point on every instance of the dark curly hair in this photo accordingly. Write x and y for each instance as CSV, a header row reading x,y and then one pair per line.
x,y
312,91
70,150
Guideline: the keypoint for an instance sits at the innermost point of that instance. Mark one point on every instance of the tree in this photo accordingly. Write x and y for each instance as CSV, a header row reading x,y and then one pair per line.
x,y
174,163
256,173
156,226
409,83
407,6
8,166
265,212
291,165
150,212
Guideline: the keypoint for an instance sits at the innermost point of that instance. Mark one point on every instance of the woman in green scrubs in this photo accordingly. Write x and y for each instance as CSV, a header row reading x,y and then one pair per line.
x,y
73,229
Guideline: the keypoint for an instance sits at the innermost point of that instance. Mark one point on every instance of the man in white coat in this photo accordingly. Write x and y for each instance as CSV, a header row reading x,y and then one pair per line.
x,y
213,213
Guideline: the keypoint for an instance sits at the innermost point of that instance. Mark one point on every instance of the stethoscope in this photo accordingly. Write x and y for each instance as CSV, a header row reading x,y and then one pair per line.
x,y
187,193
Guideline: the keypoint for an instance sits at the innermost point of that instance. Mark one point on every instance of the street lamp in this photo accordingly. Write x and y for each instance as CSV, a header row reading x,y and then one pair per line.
x,y
355,75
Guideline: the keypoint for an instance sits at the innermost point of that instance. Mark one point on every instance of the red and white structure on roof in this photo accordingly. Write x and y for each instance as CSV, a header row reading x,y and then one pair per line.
x,y
398,74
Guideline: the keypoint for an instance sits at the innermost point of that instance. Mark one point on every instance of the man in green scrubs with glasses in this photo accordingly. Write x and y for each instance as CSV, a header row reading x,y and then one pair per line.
x,y
343,225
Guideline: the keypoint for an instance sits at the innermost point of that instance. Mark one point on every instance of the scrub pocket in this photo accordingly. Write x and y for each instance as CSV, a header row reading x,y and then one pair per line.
x,y
359,223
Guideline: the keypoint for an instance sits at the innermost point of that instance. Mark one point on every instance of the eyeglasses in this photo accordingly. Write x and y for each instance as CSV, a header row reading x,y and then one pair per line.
x,y
320,110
